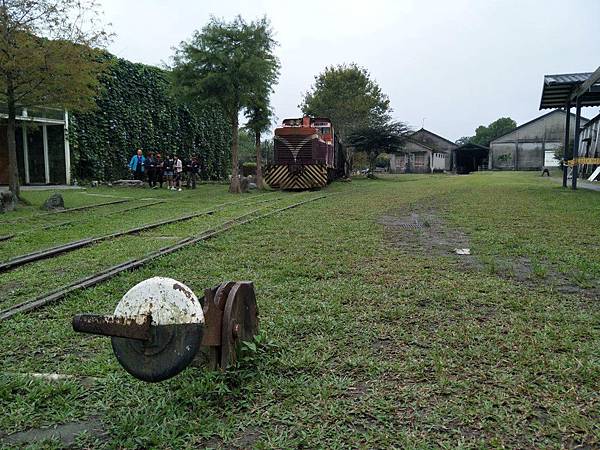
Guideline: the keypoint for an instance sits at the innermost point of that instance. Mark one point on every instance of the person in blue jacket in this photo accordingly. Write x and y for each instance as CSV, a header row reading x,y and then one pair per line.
x,y
136,165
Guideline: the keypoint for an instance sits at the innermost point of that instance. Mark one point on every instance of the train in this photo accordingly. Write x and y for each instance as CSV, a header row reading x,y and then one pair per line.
x,y
307,154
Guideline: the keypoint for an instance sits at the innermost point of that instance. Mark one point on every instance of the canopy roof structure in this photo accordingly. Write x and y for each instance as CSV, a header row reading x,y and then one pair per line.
x,y
561,91
562,88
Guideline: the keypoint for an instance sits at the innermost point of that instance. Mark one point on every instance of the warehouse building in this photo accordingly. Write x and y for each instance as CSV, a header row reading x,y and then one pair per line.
x,y
531,146
470,158
423,152
43,154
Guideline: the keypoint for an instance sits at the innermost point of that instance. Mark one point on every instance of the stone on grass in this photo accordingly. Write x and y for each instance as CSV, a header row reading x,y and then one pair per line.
x,y
129,183
7,202
244,184
54,202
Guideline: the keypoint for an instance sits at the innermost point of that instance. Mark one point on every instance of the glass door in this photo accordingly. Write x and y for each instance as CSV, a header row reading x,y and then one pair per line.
x,y
56,154
35,155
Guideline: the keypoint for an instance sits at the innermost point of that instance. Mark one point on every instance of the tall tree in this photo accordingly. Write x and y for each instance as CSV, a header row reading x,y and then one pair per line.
x,y
379,138
463,140
47,58
228,63
349,97
484,135
259,116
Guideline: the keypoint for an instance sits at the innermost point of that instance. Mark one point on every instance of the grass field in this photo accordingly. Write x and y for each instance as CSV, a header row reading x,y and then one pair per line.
x,y
374,333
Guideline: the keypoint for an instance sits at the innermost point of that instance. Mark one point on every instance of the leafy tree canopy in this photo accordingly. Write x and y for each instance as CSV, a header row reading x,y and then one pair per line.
x,y
484,135
463,140
231,63
349,97
379,138
47,58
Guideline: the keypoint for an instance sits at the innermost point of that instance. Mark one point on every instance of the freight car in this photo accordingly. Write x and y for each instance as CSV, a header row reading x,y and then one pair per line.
x,y
307,155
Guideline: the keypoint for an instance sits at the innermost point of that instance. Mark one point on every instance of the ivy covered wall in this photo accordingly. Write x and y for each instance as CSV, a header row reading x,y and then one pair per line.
x,y
135,110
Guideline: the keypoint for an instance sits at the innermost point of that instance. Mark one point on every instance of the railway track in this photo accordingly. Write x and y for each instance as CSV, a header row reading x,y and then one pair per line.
x,y
133,264
74,245
70,222
61,211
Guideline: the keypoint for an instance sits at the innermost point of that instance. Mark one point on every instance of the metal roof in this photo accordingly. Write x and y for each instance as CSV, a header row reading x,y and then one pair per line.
x,y
542,117
559,88
470,147
423,130
592,121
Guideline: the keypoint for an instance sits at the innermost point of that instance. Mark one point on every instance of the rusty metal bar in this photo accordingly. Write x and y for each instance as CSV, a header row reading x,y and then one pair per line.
x,y
113,326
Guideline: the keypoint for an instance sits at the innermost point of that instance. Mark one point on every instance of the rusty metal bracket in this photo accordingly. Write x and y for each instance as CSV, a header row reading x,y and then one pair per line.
x,y
159,327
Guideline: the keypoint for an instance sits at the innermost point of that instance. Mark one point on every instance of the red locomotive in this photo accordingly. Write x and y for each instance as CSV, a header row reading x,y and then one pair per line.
x,y
307,155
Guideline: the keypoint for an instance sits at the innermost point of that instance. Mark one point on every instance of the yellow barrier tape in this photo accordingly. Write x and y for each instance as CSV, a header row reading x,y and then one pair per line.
x,y
578,161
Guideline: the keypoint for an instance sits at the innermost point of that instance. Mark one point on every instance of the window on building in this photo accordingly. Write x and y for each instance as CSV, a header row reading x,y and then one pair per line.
x,y
419,159
400,161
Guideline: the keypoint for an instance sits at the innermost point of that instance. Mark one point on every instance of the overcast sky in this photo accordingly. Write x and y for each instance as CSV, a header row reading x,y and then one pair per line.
x,y
454,64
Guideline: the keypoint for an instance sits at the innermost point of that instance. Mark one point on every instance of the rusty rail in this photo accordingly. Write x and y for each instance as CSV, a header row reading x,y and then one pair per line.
x,y
86,207
60,211
113,271
69,222
74,245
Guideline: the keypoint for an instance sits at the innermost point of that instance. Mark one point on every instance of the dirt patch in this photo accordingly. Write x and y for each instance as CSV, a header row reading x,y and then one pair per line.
x,y
247,439
9,289
358,390
424,232
543,273
243,440
66,433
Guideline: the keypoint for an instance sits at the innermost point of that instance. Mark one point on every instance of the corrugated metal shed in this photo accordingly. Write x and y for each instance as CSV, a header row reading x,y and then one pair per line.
x,y
558,88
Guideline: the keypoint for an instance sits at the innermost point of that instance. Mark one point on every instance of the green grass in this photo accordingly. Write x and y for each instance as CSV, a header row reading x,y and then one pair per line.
x,y
375,338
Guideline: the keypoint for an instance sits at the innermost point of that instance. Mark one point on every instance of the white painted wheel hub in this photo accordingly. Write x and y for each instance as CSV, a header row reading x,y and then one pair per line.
x,y
168,301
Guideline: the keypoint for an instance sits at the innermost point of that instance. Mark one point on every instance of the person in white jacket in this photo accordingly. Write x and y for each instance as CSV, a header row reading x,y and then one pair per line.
x,y
178,173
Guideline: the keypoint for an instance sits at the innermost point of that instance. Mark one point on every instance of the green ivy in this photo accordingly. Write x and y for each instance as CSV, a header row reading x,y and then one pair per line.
x,y
135,110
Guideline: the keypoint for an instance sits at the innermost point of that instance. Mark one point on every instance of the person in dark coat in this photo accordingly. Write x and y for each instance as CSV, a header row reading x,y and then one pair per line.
x,y
193,169
169,168
159,170
150,167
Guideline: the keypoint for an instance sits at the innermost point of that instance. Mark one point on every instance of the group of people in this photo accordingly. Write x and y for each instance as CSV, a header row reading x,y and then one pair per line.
x,y
171,170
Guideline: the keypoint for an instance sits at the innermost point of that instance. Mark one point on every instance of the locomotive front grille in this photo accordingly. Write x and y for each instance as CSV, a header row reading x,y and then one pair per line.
x,y
294,148
295,176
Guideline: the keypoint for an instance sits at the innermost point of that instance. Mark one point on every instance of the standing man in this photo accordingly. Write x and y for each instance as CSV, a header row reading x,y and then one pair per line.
x,y
150,168
168,166
136,165
193,168
159,170
178,172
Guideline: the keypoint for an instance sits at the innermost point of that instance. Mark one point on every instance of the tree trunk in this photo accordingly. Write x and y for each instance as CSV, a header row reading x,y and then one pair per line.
x,y
234,187
13,167
260,183
372,160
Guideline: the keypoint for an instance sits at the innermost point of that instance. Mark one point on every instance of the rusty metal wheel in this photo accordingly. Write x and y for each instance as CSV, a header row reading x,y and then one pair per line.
x,y
240,321
177,323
